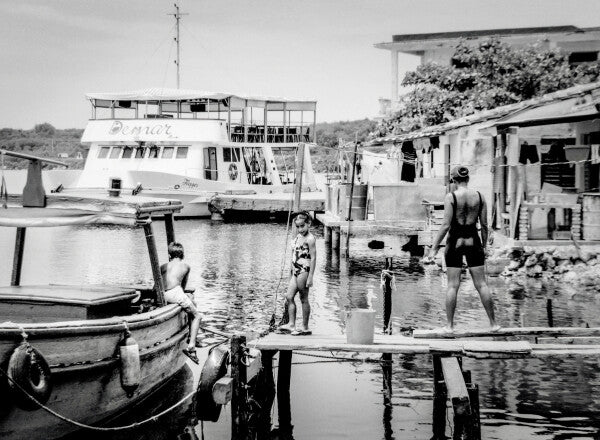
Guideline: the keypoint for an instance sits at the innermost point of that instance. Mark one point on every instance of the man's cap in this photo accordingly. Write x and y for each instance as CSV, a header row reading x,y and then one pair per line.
x,y
459,172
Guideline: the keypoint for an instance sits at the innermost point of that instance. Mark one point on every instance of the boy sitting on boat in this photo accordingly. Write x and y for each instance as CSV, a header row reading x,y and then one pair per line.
x,y
175,276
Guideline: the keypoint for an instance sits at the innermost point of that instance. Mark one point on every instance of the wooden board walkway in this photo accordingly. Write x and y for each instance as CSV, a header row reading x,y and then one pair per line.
x,y
369,228
399,344
508,331
275,202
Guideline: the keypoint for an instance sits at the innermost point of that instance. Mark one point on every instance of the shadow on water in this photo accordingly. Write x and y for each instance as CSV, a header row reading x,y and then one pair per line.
x,y
236,270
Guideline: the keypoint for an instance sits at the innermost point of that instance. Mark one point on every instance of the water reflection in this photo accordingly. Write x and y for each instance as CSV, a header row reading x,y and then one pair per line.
x,y
236,269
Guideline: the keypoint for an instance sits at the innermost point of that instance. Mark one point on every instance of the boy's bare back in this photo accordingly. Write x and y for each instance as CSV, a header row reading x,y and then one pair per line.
x,y
175,273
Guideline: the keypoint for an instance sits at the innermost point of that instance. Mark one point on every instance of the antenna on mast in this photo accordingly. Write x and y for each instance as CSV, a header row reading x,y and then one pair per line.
x,y
177,16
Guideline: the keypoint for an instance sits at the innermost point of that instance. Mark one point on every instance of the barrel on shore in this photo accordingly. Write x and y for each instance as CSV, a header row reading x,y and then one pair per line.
x,y
359,202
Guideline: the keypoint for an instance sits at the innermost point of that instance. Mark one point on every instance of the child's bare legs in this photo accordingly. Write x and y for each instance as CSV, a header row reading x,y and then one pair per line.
x,y
453,275
194,315
301,283
291,304
478,275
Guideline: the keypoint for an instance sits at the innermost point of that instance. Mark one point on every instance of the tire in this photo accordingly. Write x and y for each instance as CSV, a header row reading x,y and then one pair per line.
x,y
214,368
29,370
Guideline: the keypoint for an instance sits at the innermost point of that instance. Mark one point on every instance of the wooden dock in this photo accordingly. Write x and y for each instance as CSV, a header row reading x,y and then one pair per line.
x,y
265,202
337,230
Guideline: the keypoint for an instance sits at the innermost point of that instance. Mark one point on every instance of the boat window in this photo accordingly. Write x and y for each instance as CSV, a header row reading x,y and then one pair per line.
x,y
167,152
103,153
182,152
127,152
231,154
115,153
139,152
210,163
153,153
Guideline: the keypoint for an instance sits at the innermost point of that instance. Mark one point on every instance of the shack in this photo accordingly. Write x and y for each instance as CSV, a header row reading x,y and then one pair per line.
x,y
537,162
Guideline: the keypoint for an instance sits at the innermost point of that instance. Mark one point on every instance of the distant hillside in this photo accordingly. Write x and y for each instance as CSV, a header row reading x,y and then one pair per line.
x,y
46,141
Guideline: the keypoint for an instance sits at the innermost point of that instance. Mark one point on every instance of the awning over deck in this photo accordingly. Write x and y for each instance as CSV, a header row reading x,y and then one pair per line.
x,y
238,102
70,210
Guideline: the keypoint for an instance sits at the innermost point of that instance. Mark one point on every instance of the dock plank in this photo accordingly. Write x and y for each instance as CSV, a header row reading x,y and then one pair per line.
x,y
508,331
455,386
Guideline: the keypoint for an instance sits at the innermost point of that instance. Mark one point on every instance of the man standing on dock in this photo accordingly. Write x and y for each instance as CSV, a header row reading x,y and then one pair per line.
x,y
462,209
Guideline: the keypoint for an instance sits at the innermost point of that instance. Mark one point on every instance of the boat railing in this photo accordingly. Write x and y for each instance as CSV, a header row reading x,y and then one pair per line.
x,y
275,134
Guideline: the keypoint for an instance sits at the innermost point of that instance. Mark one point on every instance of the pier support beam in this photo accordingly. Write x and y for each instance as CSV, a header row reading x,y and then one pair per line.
x,y
18,257
239,422
335,239
439,401
284,373
327,234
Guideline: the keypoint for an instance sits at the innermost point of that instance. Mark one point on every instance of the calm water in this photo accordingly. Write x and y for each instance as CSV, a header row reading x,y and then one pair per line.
x,y
236,268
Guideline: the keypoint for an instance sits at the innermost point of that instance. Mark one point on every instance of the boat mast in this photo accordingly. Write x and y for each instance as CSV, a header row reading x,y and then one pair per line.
x,y
177,16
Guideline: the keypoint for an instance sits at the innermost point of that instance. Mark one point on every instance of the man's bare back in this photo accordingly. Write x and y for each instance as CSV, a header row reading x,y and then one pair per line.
x,y
175,273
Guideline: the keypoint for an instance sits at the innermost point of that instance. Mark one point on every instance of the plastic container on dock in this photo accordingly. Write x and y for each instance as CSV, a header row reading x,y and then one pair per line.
x,y
360,326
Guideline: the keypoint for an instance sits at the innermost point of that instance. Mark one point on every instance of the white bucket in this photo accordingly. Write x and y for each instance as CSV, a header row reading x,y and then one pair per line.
x,y
360,326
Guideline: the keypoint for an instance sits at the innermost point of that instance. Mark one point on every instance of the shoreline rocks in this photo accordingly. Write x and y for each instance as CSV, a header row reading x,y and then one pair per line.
x,y
550,264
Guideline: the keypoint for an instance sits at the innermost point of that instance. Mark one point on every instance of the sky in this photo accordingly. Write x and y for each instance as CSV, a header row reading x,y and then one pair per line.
x,y
52,52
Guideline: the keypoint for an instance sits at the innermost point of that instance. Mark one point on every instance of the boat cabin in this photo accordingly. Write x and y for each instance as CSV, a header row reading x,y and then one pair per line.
x,y
195,135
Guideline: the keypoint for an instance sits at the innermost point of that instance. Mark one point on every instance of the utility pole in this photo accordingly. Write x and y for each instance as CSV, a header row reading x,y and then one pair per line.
x,y
177,16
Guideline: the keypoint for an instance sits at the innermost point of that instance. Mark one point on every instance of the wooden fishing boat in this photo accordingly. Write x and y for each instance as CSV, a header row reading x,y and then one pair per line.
x,y
62,344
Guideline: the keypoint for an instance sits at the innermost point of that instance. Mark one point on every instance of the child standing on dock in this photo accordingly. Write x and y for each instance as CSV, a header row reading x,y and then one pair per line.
x,y
463,208
175,276
304,260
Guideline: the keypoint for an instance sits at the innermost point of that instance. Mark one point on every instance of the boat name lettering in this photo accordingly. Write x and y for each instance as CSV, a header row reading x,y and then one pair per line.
x,y
187,183
118,127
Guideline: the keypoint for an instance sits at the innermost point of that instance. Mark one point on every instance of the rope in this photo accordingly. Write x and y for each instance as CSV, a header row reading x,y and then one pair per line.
x,y
98,428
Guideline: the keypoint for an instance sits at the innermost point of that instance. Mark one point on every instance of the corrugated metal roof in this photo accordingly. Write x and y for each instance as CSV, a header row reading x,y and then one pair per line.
x,y
485,33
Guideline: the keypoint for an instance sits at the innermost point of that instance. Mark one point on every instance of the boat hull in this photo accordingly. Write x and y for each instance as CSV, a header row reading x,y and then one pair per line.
x,y
85,371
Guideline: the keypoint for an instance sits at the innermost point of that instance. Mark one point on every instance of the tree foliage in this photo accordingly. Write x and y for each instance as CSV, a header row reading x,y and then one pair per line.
x,y
489,75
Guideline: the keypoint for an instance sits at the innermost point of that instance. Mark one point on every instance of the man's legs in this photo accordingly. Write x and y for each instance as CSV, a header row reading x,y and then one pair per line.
x,y
453,275
480,282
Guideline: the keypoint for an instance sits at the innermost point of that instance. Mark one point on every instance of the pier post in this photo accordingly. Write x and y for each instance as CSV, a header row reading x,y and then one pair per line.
x,y
239,424
549,312
284,373
475,425
387,297
262,394
439,401
327,234
159,288
335,239
169,228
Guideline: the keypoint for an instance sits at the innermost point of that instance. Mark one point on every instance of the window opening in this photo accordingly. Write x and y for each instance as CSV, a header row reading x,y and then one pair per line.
x,y
140,152
182,152
127,152
103,153
115,153
167,152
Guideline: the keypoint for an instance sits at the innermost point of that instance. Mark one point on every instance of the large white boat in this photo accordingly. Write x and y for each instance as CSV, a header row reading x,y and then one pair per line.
x,y
191,145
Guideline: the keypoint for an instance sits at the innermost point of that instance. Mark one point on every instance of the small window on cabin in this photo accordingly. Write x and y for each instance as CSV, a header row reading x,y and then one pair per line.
x,y
103,153
167,152
127,152
139,152
153,153
115,152
182,152
231,154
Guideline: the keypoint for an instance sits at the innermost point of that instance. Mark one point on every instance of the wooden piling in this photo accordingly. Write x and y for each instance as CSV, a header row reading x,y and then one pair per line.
x,y
439,401
455,385
387,297
475,425
18,257
239,423
284,373
335,239
261,396
347,248
169,228
327,235
159,288
549,312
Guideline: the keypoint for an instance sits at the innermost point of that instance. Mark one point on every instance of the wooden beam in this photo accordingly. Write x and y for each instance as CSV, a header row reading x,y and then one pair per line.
x,y
508,331
455,385
284,373
570,340
238,397
169,228
159,288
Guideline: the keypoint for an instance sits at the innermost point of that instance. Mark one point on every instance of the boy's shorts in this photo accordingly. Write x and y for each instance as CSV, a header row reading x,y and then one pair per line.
x,y
176,295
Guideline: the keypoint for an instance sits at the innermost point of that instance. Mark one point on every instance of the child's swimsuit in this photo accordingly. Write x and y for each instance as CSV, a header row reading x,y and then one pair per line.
x,y
300,257
464,240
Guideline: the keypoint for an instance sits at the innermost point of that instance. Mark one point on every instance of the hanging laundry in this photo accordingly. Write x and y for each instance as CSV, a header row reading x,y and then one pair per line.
x,y
528,152
595,154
